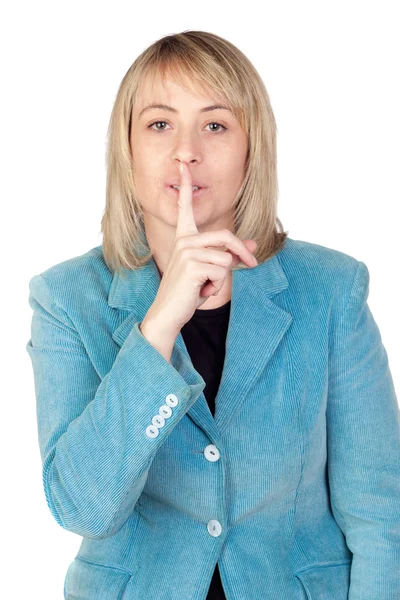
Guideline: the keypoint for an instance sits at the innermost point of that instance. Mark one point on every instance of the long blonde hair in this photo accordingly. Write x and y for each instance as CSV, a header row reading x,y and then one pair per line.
x,y
194,60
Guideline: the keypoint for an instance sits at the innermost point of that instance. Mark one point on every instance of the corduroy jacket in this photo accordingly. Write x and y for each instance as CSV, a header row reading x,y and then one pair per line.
x,y
293,486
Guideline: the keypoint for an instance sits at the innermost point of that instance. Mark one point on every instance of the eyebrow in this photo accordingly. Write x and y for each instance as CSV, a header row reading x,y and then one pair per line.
x,y
171,109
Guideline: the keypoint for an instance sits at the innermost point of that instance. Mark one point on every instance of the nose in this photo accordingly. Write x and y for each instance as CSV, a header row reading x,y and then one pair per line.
x,y
188,161
187,150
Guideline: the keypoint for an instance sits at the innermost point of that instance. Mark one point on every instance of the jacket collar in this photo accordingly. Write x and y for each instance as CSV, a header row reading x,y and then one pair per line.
x,y
256,326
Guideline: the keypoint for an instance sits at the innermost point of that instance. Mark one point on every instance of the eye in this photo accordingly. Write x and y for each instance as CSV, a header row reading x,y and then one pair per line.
x,y
218,125
211,123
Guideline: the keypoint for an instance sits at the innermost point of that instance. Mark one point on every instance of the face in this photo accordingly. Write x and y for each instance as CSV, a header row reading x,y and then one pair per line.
x,y
212,143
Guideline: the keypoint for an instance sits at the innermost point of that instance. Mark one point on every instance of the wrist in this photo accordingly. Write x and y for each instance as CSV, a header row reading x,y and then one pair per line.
x,y
154,322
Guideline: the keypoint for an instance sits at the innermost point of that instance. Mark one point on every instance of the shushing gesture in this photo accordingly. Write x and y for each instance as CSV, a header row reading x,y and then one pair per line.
x,y
194,271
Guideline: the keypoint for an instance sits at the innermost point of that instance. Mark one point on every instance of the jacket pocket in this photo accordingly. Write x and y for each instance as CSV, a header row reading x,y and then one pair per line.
x,y
85,581
326,582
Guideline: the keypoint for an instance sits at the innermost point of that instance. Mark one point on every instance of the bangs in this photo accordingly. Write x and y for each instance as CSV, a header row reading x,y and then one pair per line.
x,y
196,79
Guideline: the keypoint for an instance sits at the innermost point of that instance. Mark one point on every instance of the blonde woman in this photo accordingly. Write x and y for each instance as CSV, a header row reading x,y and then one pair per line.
x,y
216,413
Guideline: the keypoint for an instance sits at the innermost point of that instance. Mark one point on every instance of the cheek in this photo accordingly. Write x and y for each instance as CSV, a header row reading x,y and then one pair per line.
x,y
144,173
229,184
232,179
143,156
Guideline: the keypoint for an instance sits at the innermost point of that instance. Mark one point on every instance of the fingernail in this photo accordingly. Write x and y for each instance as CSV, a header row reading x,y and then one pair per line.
x,y
181,168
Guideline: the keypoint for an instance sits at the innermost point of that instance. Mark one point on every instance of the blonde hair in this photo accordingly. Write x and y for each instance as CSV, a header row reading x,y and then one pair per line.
x,y
194,60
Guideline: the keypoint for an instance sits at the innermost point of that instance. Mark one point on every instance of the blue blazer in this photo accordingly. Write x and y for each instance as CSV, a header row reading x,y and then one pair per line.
x,y
293,486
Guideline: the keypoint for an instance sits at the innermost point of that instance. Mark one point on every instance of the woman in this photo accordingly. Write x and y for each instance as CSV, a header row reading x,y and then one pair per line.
x,y
204,416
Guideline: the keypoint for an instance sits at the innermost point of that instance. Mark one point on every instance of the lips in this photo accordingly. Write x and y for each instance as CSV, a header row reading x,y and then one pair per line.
x,y
194,182
175,193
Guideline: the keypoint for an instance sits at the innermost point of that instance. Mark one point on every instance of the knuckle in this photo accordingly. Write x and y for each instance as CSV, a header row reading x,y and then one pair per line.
x,y
228,258
185,253
232,237
180,243
223,272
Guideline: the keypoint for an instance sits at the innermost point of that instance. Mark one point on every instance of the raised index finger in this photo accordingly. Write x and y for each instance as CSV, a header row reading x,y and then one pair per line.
x,y
186,223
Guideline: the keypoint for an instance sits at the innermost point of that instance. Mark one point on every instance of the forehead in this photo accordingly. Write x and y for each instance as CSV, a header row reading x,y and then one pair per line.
x,y
155,87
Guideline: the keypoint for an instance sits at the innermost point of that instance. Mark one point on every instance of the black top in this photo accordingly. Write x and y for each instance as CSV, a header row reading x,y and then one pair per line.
x,y
205,336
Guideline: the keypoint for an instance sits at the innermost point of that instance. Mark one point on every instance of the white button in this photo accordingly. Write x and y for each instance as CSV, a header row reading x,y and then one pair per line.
x,y
165,411
158,421
171,400
151,431
211,453
214,528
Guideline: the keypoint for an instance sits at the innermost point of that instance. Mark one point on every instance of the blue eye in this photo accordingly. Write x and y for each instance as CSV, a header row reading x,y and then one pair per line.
x,y
211,123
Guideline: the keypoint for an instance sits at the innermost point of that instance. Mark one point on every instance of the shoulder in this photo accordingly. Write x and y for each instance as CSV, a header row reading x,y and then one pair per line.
x,y
322,271
301,258
299,255
67,282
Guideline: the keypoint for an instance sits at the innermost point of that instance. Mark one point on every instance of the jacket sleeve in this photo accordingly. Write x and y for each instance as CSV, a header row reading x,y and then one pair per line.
x,y
363,429
95,451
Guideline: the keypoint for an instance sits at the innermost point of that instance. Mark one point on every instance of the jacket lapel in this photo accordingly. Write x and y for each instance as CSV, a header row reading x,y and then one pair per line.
x,y
256,326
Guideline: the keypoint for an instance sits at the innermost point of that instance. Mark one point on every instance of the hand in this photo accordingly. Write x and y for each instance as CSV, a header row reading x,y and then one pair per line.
x,y
195,272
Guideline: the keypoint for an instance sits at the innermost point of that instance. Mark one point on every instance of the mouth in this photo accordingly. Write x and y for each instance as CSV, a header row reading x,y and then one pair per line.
x,y
174,192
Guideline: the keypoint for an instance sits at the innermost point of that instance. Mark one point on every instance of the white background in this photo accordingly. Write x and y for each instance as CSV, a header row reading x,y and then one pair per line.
x,y
331,69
